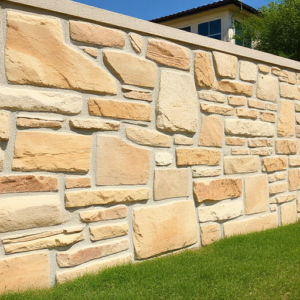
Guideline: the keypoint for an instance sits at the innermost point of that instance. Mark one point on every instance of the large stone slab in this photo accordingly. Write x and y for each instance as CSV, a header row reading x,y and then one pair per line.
x,y
226,65
241,164
267,88
204,72
163,228
191,157
286,119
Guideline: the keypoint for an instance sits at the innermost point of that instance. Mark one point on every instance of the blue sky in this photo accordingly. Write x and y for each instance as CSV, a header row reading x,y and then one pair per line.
x,y
151,9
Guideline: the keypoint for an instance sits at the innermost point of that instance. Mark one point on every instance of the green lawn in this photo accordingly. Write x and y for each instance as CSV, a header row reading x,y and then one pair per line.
x,y
263,265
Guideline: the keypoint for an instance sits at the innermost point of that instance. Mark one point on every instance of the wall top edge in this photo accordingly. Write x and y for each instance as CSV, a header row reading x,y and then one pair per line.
x,y
95,14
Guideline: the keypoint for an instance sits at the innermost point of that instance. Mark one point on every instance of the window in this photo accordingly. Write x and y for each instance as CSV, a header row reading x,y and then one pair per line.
x,y
188,28
238,31
211,29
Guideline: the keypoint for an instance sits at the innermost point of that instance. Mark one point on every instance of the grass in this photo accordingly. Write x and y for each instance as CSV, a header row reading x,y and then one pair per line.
x,y
264,265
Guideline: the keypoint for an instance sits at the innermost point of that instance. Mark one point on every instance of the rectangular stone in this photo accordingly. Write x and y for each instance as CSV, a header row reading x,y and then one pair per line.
x,y
78,182
4,125
272,106
247,113
273,164
1,160
212,131
209,233
206,172
261,151
103,232
212,97
294,179
263,69
94,124
267,88
294,161
237,100
289,91
286,146
191,157
104,214
136,94
183,140
283,198
277,176
277,188
217,109
32,121
257,104
255,143
239,151
268,117
286,119
241,164
234,87
232,141
288,213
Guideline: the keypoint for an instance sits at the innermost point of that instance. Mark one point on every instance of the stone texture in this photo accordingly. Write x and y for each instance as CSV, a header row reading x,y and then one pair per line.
x,y
27,183
257,104
286,119
94,124
119,162
217,109
211,132
4,125
212,97
31,44
217,189
273,164
91,51
103,232
241,164
136,94
225,65
209,233
163,158
277,176
272,106
234,87
177,107
19,213
1,160
283,198
256,194
294,161
163,228
89,33
261,151
24,272
78,182
255,143
131,69
268,117
263,69
32,121
136,41
206,172
289,91
237,100
204,73
231,141
248,71
104,214
297,106
288,213
171,183
277,188
239,151
183,140
47,151
298,118
119,109
102,197
267,88
247,113
294,179
286,146
168,54
191,157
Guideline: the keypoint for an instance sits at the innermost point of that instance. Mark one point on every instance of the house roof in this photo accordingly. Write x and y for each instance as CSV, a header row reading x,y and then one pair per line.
x,y
204,8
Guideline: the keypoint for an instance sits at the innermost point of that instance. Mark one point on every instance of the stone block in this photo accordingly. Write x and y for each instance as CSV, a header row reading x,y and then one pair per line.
x,y
206,172
232,141
257,104
289,91
277,188
294,161
204,72
217,109
263,69
286,146
32,121
94,124
4,124
286,119
294,179
136,41
104,214
103,232
267,88
180,139
237,100
234,88
248,71
268,117
212,97
191,157
283,198
273,164
225,65
241,164
247,113
256,143
137,94
77,182
209,233
288,213
163,158
211,132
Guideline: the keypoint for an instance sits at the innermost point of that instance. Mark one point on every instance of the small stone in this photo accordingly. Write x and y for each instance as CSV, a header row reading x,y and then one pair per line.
x,y
273,164
277,176
286,119
226,65
183,140
94,124
278,187
268,117
191,157
32,121
211,132
206,172
298,118
297,106
104,232
283,198
294,161
4,125
286,146
231,141
216,109
234,87
241,164
133,93
256,104
247,113
237,100
78,182
255,143
163,158
91,51
272,106
213,97
239,151
298,131
267,88
263,69
289,91
136,41
261,151
209,233
288,213
294,180
104,214
283,76
1,160
204,73
248,71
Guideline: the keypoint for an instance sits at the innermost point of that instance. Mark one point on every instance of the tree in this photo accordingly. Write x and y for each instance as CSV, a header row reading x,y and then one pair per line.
x,y
275,29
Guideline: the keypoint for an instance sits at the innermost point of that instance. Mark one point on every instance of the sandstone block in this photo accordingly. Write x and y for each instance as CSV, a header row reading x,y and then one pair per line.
x,y
278,187
209,233
289,91
297,106
286,119
286,146
212,97
239,151
116,212
183,140
268,117
263,69
298,119
248,71
241,164
237,100
136,41
261,151
226,65
211,133
78,182
163,158
231,141
104,232
255,143
136,94
32,121
294,179
283,76
191,157
272,106
4,125
267,88
288,213
1,160
217,109
273,164
247,113
234,87
283,198
294,161
206,172
277,176
204,72
91,51
94,124
257,104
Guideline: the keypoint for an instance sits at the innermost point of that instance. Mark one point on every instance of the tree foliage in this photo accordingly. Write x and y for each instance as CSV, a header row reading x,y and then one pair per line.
x,y
275,29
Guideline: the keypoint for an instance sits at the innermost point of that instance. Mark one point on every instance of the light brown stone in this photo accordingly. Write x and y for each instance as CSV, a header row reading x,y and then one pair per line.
x,y
120,162
257,104
298,131
4,125
212,97
209,233
206,172
211,132
204,73
277,176
231,141
163,228
119,109
103,232
32,121
241,164
225,65
294,161
267,88
104,214
298,118
261,151
32,44
248,71
217,109
256,194
191,157
289,91
78,182
283,76
288,213
263,69
283,198
168,54
183,140
1,160
24,272
237,100
163,158
102,197
91,51
286,146
272,106
171,183
277,188
286,119
136,94
297,106
255,143
177,107
268,117
94,124
136,41
131,69
217,189
89,33
247,113
240,151
273,164
294,180
36,151
234,87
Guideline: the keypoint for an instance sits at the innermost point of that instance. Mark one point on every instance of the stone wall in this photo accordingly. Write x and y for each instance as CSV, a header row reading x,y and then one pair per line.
x,y
119,146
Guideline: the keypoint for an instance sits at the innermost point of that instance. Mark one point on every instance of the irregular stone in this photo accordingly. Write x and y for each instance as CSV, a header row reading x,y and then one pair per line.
x,y
217,189
119,109
288,213
255,143
256,104
163,228
94,124
221,211
131,69
119,162
234,87
294,179
237,100
204,73
263,69
78,182
283,198
272,106
206,172
168,54
132,93
4,125
191,157
102,197
273,164
209,233
32,121
267,88
104,214
248,71
231,141
136,41
89,33
249,128
278,187
292,79
104,232
294,161
183,140
163,158
286,146
247,113
91,51
289,91
268,117
42,37
297,106
47,151
239,151
1,160
171,183
211,132
19,213
298,118
24,272
27,183
286,119
213,97
225,65
261,151
283,76
241,164
277,177
177,103
256,194
216,109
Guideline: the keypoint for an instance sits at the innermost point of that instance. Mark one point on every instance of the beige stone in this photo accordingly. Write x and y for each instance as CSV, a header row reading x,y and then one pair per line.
x,y
256,104
177,107
78,182
120,162
289,91
163,158
91,51
298,131
259,223
234,87
131,69
277,188
32,121
256,194
217,189
212,97
263,69
209,233
239,151
217,109
298,118
104,214
241,164
136,41
272,106
255,143
286,146
102,197
163,228
1,160
277,176
231,141
268,117
247,113
211,132
297,106
288,213
267,88
89,33
286,119
289,77
180,139
136,94
94,124
204,73
103,232
261,151
168,54
24,272
206,172
191,157
119,109
283,198
248,71
4,125
273,164
249,128
171,183
283,76
27,183
294,161
294,180
36,151
221,211
225,65
19,213
31,47
237,100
